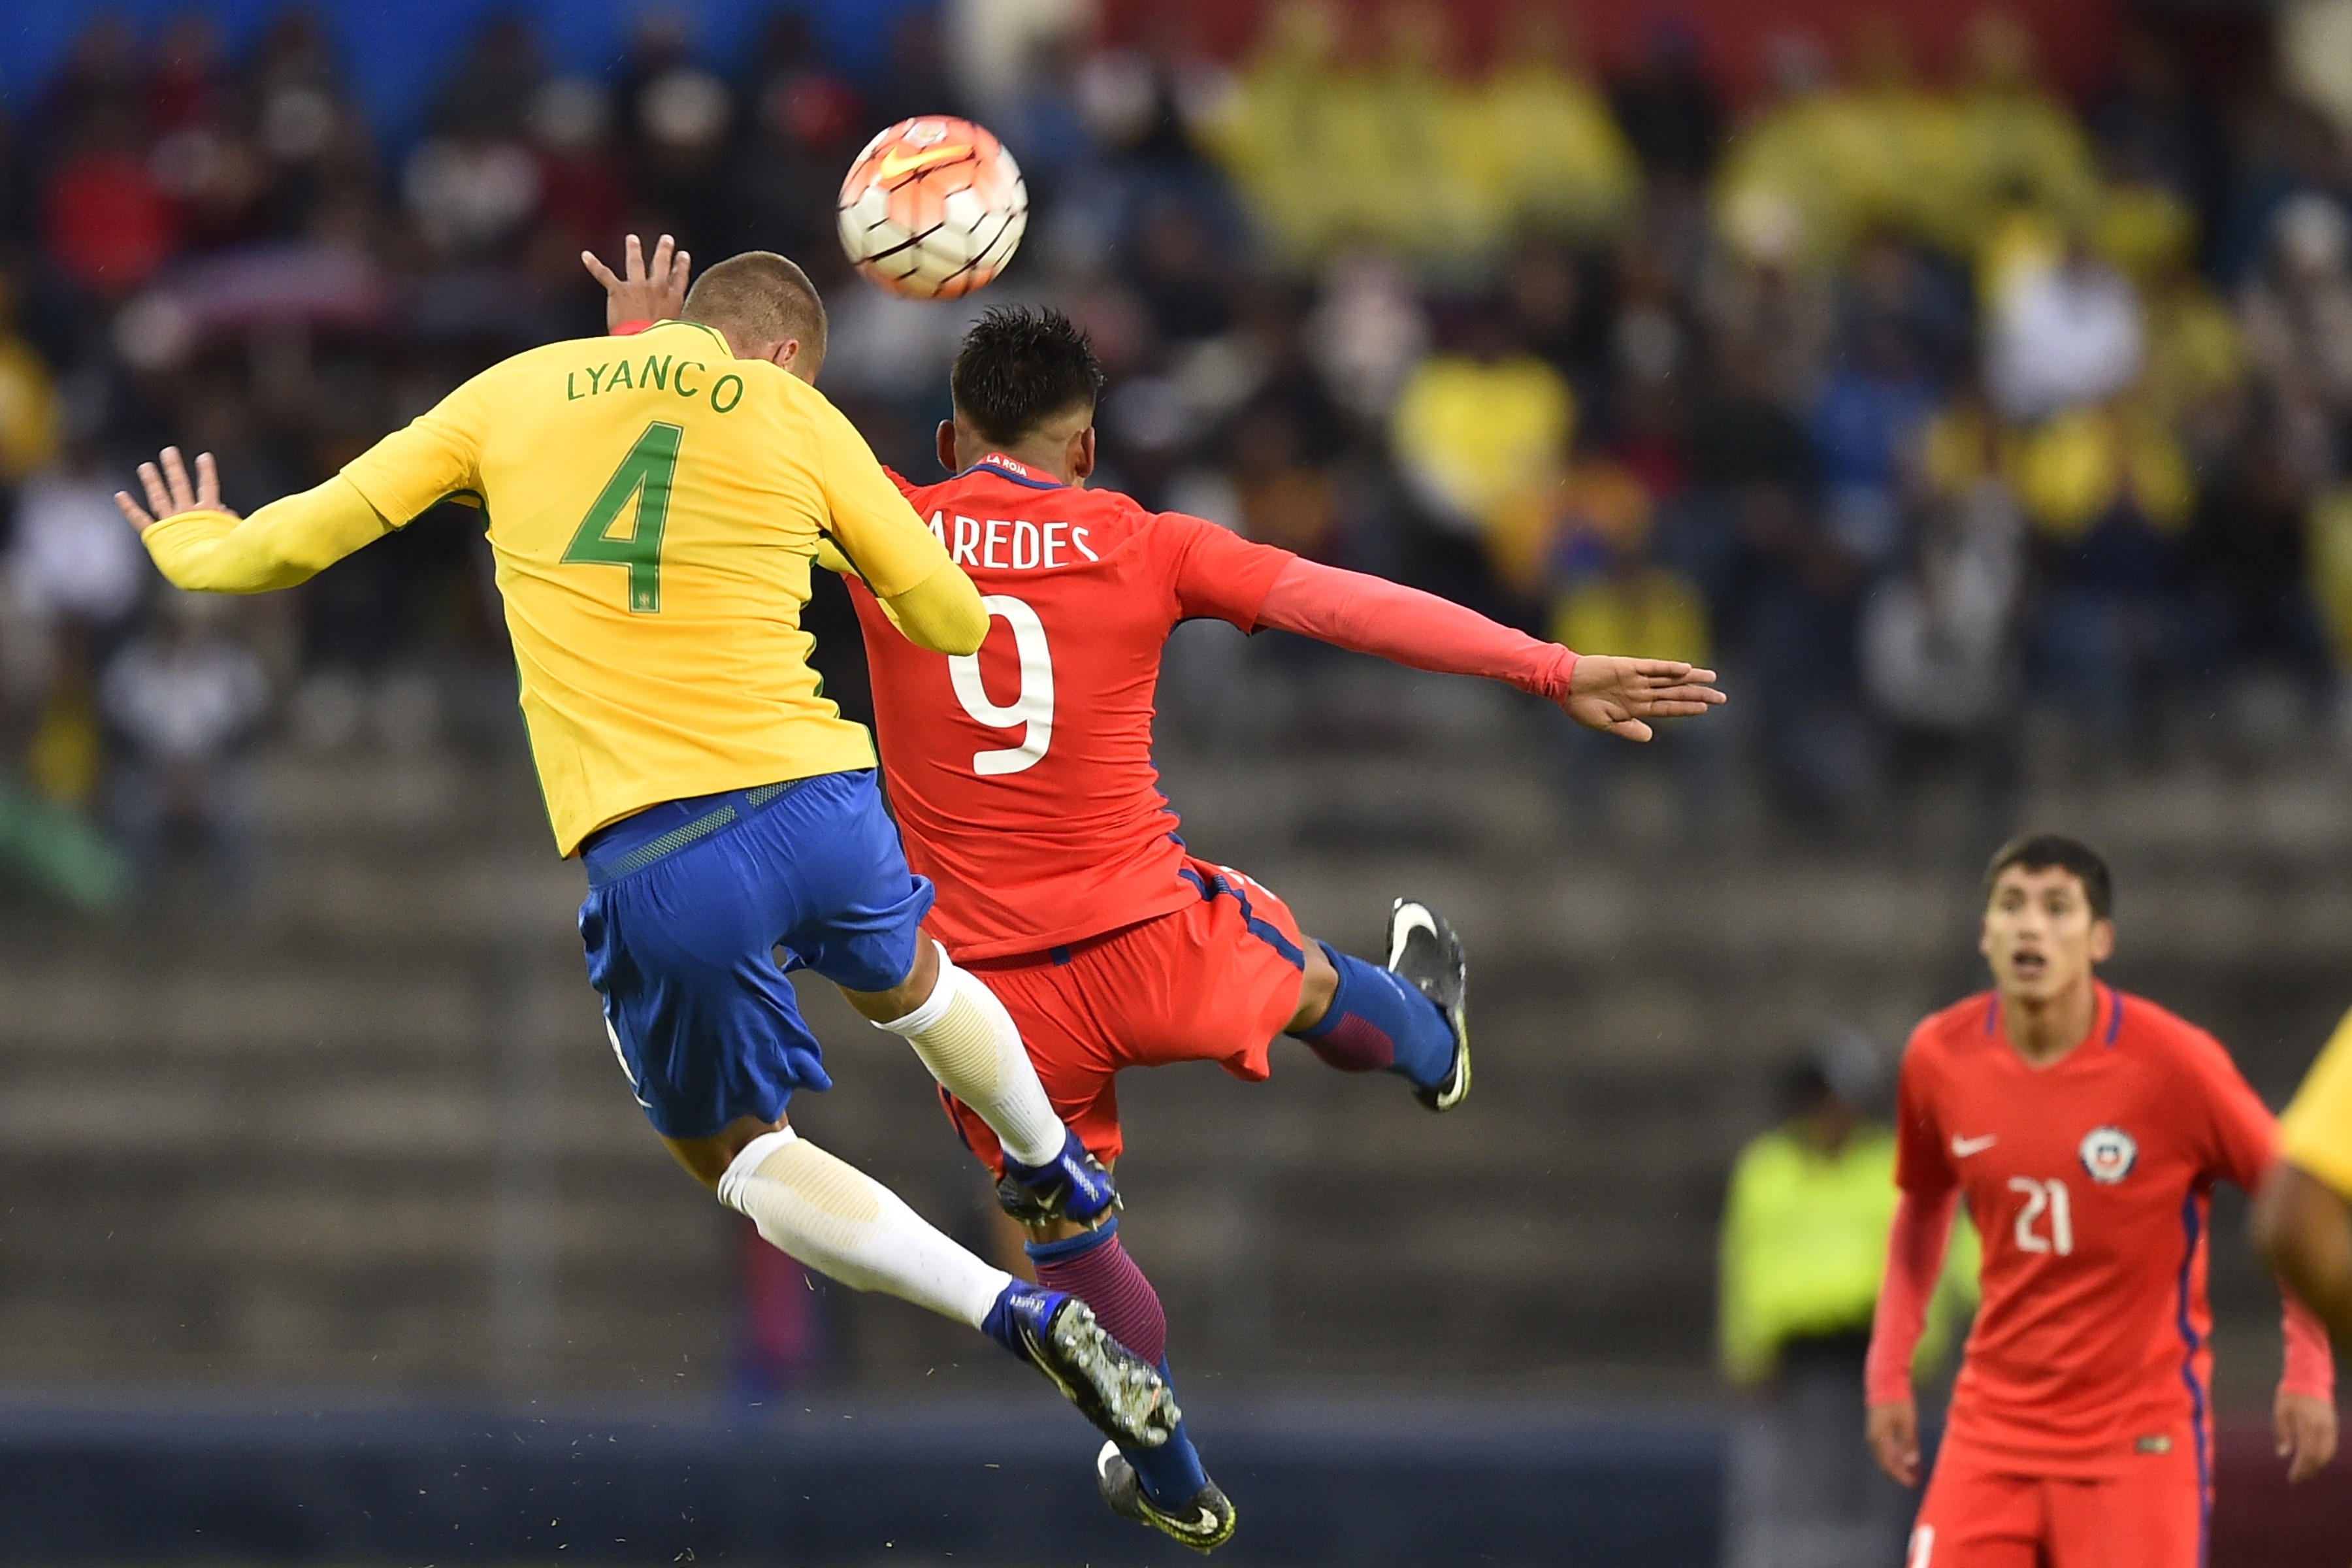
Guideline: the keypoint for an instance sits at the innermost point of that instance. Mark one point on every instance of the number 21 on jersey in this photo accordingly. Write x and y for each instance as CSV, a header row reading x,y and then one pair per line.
x,y
2044,1201
1032,707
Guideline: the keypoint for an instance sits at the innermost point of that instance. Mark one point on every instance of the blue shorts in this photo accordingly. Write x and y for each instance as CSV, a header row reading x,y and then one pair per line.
x,y
688,903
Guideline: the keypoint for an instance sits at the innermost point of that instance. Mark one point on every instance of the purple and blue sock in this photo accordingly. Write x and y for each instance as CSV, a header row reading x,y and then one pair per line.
x,y
1096,1269
1377,1020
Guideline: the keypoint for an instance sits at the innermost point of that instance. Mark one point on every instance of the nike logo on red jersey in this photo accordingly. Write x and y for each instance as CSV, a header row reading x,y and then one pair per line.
x,y
1964,1147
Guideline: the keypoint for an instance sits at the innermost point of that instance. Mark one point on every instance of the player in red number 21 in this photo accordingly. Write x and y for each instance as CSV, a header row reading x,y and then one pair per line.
x,y
1022,781
2085,1128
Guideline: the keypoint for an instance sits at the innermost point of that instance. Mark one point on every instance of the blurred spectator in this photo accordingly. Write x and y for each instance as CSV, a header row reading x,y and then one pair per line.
x,y
1586,550
77,571
2246,559
1762,306
677,122
802,121
471,193
72,559
2109,491
489,95
106,221
1803,1252
2297,313
1561,163
2062,335
1865,424
1367,333
1478,429
28,399
2154,129
1940,635
1667,106
582,195
184,697
1336,137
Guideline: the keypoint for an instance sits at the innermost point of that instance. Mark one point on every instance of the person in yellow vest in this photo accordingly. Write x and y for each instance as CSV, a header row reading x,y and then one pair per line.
x,y
1804,1250
2303,1217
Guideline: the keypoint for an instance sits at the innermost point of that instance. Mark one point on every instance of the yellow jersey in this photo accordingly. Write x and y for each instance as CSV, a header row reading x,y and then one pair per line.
x,y
2317,1131
654,505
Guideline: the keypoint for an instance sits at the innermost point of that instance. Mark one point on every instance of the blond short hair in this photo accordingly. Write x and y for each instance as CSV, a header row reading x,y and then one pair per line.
x,y
760,298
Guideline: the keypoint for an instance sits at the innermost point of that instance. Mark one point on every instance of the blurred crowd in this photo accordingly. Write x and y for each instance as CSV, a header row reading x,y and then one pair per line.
x,y
1929,406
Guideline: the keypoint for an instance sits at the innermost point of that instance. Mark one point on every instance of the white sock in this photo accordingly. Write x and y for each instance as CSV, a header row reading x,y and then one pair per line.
x,y
848,1226
970,1044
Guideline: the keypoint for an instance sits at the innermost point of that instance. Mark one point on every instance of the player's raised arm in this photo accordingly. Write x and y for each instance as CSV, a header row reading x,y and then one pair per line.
x,y
1371,615
198,543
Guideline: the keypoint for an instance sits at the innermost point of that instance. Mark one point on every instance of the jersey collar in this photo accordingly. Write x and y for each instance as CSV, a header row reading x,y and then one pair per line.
x,y
2104,1031
1004,467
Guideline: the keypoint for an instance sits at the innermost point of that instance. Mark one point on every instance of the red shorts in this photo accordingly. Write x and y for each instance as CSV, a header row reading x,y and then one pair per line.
x,y
1214,982
1974,1517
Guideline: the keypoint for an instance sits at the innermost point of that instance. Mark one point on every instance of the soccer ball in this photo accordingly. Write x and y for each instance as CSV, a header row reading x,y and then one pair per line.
x,y
933,208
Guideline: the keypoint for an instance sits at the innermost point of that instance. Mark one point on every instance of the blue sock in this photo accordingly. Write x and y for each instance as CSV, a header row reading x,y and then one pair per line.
x,y
1172,1473
1377,1020
1095,1267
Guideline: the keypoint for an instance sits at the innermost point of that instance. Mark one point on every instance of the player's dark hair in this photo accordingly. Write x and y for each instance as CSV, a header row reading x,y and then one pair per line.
x,y
760,298
1018,368
2041,851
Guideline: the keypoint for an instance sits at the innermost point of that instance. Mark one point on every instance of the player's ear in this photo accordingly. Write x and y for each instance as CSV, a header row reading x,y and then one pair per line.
x,y
2102,940
943,443
1080,460
1984,934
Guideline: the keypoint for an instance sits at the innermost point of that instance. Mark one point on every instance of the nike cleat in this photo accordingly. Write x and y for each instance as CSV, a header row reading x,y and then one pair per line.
x,y
1203,1525
1073,1186
1118,1391
1424,952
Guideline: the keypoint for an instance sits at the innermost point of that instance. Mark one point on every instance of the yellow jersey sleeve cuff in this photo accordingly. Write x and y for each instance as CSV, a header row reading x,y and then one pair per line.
x,y
172,541
942,613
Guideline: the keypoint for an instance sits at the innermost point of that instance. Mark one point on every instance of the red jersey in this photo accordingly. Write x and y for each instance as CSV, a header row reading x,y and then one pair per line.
x,y
2089,1182
1022,776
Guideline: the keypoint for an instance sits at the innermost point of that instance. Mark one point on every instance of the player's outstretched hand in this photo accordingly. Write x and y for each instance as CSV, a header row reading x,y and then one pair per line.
x,y
168,494
1893,1433
1619,696
2306,1427
655,292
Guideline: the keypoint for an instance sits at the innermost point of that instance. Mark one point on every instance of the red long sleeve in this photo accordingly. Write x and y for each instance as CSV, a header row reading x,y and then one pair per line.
x,y
1915,1262
2310,1363
1371,614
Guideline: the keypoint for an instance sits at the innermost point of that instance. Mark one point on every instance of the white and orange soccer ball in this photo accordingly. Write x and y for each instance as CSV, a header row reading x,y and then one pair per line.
x,y
933,208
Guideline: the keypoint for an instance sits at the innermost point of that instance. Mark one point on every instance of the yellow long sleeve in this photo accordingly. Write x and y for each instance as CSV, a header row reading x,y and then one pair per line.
x,y
942,613
286,542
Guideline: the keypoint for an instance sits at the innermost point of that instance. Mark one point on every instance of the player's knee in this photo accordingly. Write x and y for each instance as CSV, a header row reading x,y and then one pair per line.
x,y
708,1159
1317,988
921,979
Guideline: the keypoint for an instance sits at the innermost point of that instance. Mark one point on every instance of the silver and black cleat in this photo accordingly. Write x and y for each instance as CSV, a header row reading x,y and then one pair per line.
x,y
1424,952
1205,1523
1118,1391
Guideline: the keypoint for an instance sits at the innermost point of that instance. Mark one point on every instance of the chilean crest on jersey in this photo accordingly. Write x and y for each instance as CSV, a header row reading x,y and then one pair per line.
x,y
2109,1153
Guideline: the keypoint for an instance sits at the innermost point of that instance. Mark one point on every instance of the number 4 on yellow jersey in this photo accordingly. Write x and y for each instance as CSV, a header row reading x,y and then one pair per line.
x,y
646,473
